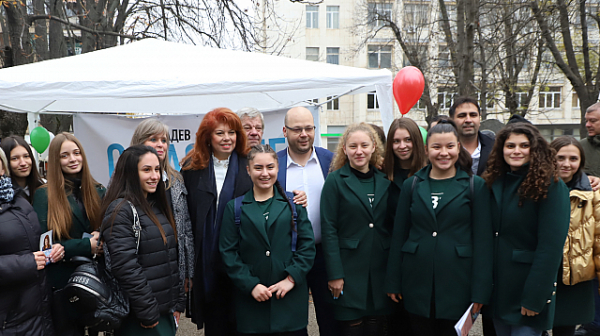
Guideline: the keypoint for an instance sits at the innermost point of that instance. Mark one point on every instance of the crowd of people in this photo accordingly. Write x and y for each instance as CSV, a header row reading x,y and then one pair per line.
x,y
391,235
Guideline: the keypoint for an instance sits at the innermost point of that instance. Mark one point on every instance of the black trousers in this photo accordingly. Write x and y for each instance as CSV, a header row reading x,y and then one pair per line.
x,y
301,332
317,282
219,315
399,321
563,331
366,326
425,326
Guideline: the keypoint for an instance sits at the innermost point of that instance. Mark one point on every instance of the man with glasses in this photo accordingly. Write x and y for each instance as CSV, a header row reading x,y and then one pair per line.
x,y
253,123
303,166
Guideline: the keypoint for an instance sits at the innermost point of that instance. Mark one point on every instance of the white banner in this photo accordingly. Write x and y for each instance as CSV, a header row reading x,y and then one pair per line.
x,y
105,137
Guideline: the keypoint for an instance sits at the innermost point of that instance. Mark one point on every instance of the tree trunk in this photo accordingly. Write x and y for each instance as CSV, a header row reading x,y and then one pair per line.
x,y
58,45
41,32
12,124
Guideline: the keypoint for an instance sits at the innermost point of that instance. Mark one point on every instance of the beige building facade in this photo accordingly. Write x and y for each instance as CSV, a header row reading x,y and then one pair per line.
x,y
347,33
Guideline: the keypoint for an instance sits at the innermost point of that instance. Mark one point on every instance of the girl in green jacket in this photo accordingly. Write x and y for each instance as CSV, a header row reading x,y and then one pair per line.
x,y
441,254
356,233
267,253
69,205
530,211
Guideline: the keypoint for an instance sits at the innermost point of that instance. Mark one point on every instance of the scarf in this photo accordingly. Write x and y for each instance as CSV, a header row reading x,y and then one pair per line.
x,y
7,193
212,263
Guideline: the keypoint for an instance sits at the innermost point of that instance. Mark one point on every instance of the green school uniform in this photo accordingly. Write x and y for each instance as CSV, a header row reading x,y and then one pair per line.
x,y
529,242
356,238
442,256
59,273
259,251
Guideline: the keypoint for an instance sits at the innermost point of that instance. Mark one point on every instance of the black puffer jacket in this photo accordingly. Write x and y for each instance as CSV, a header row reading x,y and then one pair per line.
x,y
150,279
24,305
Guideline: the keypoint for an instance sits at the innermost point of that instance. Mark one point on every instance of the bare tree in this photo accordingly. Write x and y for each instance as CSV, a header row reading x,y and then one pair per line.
x,y
573,35
61,28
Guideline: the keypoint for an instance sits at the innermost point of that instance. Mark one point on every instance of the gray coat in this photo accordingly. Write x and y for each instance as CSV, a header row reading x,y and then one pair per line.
x,y
185,238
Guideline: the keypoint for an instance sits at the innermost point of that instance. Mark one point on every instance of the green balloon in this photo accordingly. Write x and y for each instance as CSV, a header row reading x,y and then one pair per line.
x,y
40,139
423,133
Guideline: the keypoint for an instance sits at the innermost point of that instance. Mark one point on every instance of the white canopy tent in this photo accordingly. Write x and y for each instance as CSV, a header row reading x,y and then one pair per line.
x,y
153,76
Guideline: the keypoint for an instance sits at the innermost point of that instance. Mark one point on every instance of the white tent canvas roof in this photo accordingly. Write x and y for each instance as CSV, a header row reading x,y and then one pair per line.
x,y
153,76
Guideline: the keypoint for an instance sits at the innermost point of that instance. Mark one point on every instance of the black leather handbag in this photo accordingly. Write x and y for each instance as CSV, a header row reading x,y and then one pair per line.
x,y
94,292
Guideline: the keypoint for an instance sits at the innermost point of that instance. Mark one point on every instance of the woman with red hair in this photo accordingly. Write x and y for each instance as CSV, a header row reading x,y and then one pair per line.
x,y
214,172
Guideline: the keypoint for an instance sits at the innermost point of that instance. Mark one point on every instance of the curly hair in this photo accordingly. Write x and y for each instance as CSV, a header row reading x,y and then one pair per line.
x,y
199,156
542,163
340,158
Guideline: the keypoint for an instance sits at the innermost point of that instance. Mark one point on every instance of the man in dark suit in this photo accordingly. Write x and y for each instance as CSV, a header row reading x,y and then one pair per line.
x,y
302,166
466,114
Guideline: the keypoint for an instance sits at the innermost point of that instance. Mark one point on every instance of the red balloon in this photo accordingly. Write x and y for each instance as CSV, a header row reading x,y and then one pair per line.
x,y
408,88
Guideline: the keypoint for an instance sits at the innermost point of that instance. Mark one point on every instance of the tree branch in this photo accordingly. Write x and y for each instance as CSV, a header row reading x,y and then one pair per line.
x,y
33,18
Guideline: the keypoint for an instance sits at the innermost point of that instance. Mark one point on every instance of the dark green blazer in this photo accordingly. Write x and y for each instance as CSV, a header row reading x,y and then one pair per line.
x,y
450,252
394,193
356,238
59,273
255,253
529,242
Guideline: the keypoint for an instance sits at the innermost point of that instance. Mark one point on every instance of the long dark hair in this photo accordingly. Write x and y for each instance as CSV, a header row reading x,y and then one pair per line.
x,y
269,150
33,181
564,141
125,184
464,158
418,159
542,164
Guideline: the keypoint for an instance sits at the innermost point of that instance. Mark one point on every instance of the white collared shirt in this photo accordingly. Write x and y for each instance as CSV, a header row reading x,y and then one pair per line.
x,y
220,167
310,179
475,156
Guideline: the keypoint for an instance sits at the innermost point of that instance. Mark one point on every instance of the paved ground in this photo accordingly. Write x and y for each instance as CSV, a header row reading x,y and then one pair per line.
x,y
187,328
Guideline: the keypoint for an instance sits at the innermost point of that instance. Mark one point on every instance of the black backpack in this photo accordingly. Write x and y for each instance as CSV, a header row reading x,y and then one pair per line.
x,y
290,197
95,294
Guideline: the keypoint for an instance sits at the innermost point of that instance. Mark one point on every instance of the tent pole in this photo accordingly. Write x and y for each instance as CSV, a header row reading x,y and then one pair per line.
x,y
33,119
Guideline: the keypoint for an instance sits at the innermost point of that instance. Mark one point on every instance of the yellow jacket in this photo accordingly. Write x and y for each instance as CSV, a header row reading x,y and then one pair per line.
x,y
581,253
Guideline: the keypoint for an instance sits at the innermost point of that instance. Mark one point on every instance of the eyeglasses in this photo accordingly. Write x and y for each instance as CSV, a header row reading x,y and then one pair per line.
x,y
298,130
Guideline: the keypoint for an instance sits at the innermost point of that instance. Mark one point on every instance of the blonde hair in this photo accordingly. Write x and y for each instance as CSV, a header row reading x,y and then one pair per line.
x,y
60,214
4,163
143,132
340,158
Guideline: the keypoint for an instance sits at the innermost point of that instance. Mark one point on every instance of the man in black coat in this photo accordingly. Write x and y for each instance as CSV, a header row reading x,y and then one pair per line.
x,y
466,114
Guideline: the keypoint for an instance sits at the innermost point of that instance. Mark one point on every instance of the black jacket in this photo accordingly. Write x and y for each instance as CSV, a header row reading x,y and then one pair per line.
x,y
201,199
150,279
487,143
24,305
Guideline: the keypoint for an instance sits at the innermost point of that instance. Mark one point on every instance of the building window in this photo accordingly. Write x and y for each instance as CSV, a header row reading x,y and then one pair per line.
x,y
576,103
333,104
445,98
522,97
443,57
333,55
333,17
415,15
312,16
334,133
550,97
372,101
380,56
315,101
312,53
490,98
379,13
